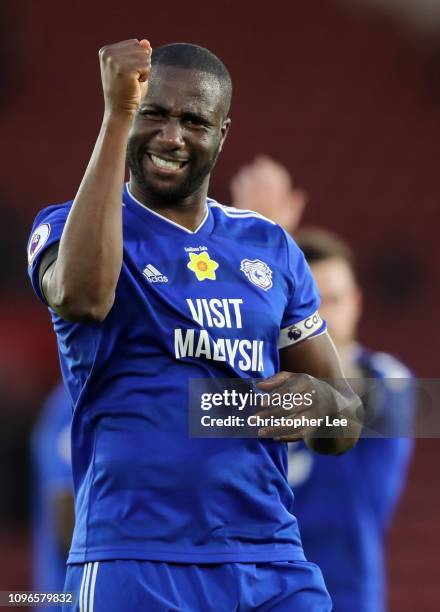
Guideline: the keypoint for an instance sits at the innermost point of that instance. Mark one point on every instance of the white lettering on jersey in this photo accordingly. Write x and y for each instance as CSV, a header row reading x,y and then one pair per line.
x,y
245,363
218,320
195,249
219,350
203,347
247,355
215,312
231,349
153,275
182,346
199,344
301,330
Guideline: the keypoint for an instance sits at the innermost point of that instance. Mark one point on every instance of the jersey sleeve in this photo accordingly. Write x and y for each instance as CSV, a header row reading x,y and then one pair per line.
x,y
390,414
396,420
301,318
46,231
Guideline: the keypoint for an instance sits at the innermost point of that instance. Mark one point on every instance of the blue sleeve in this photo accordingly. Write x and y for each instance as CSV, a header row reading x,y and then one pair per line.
x,y
58,462
385,464
46,231
386,460
301,319
51,441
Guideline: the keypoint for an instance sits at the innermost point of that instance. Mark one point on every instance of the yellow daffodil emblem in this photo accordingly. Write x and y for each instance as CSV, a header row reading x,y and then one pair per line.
x,y
202,265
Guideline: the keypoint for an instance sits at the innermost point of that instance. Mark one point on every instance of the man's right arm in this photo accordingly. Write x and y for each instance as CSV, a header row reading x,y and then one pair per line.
x,y
80,285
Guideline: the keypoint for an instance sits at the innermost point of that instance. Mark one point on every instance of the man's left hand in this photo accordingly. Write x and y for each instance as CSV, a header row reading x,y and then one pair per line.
x,y
316,405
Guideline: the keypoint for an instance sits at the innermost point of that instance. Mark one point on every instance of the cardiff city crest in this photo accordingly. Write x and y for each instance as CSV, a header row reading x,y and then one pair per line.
x,y
257,272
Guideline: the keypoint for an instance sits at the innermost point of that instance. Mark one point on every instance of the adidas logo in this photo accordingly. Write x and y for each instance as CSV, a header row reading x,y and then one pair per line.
x,y
153,275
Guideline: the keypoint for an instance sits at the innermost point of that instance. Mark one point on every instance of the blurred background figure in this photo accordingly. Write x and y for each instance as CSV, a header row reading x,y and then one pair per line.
x,y
266,187
52,496
345,504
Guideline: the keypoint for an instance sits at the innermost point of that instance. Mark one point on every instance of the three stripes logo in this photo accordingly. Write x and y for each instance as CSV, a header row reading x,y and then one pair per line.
x,y
153,275
87,590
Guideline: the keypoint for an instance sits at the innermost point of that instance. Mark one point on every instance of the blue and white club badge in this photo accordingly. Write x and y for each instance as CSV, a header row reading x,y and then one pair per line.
x,y
38,240
257,272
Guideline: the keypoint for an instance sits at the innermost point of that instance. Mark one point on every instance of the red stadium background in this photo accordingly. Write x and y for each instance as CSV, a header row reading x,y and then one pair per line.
x,y
348,100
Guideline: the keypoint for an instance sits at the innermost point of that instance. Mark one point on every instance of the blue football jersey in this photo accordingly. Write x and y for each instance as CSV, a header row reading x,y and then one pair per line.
x,y
52,474
217,302
345,504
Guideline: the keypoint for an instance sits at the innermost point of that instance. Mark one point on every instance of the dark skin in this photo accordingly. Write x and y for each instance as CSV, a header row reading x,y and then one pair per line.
x,y
303,366
76,289
182,118
178,118
186,124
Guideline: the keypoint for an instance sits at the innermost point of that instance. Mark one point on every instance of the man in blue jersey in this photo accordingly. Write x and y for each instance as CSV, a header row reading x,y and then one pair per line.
x,y
360,490
52,494
153,289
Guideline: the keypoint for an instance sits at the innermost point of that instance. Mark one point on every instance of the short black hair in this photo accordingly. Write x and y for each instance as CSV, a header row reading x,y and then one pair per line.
x,y
193,57
318,244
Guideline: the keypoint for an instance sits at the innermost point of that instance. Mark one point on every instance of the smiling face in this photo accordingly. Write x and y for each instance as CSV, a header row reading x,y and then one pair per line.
x,y
176,135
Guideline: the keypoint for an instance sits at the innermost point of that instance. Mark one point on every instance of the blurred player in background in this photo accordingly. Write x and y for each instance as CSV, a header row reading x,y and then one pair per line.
x,y
344,504
52,494
266,187
359,492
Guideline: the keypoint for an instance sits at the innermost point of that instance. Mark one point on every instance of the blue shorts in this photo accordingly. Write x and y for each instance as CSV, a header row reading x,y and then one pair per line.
x,y
155,586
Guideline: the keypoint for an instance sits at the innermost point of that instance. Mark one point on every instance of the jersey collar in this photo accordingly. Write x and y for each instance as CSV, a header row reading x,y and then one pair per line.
x,y
155,218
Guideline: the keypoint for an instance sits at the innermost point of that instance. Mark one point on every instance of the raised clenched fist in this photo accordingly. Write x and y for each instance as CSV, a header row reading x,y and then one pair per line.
x,y
125,67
